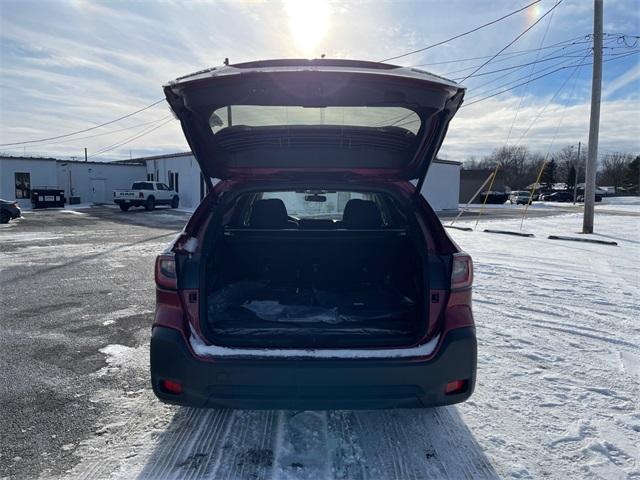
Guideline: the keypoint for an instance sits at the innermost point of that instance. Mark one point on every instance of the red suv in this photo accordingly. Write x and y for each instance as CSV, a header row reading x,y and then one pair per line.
x,y
313,275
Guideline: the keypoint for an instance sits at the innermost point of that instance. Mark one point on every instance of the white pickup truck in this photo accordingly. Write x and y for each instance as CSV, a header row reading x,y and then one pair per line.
x,y
147,195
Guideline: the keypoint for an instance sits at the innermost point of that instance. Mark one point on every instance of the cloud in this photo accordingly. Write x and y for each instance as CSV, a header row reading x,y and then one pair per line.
x,y
631,76
480,128
67,66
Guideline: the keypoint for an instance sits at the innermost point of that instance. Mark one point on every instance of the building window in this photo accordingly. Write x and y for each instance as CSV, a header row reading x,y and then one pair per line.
x,y
23,184
173,181
150,177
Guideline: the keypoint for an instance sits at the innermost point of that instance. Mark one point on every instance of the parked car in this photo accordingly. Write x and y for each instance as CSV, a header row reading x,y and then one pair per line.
x,y
314,275
559,197
492,198
147,195
519,197
580,198
9,211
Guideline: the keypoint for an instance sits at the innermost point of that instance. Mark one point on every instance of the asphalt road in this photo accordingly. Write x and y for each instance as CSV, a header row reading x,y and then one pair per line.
x,y
70,285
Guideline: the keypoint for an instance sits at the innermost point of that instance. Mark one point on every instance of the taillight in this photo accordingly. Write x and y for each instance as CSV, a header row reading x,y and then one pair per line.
x,y
170,386
461,271
457,386
166,271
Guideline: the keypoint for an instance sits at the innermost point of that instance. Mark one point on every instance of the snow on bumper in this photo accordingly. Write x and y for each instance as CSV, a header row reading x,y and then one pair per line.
x,y
312,383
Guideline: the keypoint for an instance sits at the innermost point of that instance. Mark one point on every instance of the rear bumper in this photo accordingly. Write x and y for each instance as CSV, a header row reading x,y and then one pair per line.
x,y
136,203
310,384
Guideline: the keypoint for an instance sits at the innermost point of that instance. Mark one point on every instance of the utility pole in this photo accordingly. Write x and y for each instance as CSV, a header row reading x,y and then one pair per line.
x,y
229,119
575,180
594,122
85,154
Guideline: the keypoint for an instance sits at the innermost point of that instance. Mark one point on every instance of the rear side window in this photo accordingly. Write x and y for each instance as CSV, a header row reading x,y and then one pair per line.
x,y
142,186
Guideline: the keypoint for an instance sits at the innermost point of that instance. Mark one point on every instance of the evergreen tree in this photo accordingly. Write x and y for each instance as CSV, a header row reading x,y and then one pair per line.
x,y
571,177
549,175
632,176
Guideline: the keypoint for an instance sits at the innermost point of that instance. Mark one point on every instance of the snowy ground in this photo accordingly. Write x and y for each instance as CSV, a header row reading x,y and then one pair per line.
x,y
559,336
557,391
558,373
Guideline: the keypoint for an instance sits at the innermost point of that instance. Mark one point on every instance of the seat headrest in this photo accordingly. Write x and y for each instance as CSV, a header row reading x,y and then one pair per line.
x,y
269,213
361,214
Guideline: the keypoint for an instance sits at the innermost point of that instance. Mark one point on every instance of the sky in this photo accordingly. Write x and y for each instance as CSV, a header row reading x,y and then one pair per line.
x,y
70,65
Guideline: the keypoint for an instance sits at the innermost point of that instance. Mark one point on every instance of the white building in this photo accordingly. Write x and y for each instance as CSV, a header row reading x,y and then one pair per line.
x,y
442,185
90,182
94,182
181,172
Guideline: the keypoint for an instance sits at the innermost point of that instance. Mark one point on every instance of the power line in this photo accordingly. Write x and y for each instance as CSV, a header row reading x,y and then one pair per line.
x,y
522,65
548,69
111,132
567,54
514,40
558,51
130,139
528,77
471,67
542,76
86,129
574,72
533,67
580,39
569,42
462,34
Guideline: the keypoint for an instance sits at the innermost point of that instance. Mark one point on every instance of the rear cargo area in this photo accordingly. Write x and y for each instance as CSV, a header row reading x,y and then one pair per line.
x,y
315,288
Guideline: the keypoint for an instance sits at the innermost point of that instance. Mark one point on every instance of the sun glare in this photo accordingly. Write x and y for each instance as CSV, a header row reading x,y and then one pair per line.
x,y
534,13
308,22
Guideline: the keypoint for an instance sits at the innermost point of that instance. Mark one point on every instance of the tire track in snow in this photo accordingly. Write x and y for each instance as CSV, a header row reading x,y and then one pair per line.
x,y
247,449
303,448
183,450
189,444
347,456
598,335
419,444
253,445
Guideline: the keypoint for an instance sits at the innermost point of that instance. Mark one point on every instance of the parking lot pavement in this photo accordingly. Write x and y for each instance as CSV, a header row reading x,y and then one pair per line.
x,y
71,283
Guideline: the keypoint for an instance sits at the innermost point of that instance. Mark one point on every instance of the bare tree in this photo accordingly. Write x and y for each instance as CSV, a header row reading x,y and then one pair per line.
x,y
570,168
515,162
613,168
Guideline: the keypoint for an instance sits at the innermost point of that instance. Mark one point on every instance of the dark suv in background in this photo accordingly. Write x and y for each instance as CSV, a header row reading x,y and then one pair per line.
x,y
9,211
314,275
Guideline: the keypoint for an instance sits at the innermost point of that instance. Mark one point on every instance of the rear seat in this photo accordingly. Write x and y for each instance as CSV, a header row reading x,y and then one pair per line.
x,y
304,258
361,214
270,213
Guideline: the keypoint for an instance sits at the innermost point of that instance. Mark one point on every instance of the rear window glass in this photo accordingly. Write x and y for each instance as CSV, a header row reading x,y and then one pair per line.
x,y
313,209
260,115
316,204
142,186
